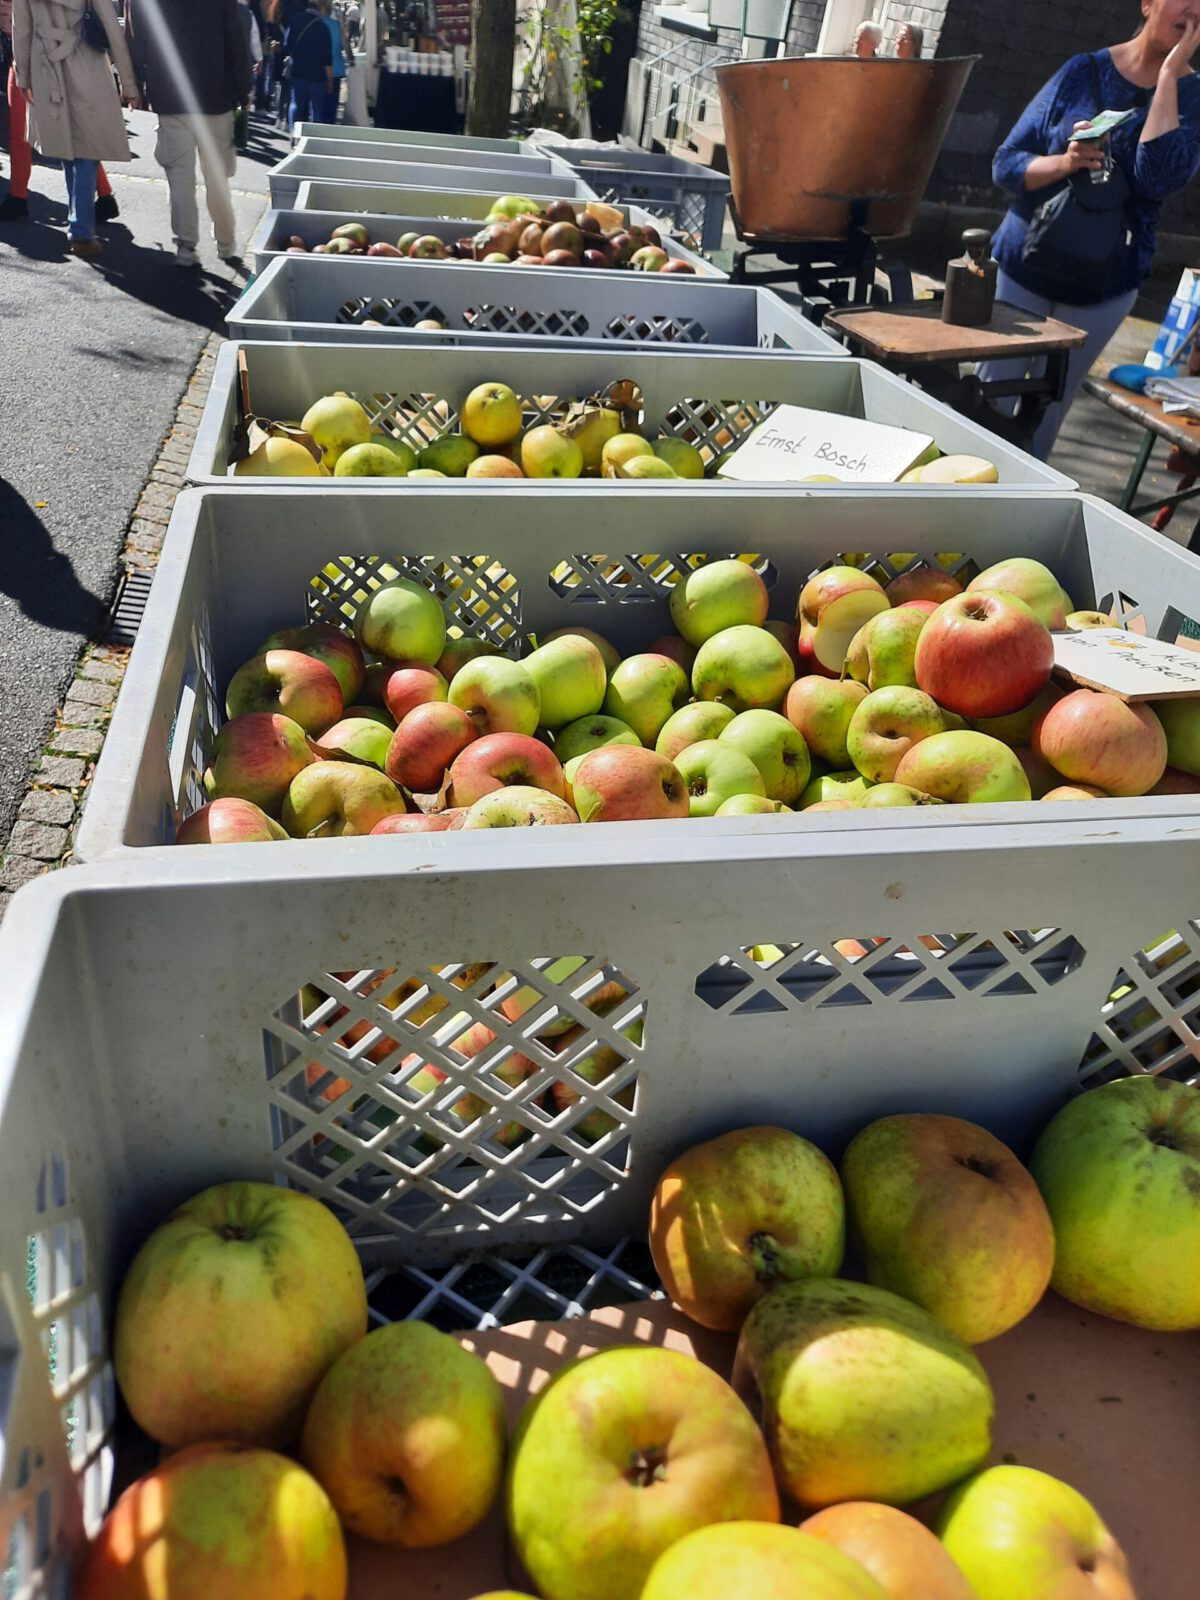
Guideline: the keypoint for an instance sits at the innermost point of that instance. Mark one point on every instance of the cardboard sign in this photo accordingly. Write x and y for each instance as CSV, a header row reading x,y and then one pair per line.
x,y
1127,664
795,443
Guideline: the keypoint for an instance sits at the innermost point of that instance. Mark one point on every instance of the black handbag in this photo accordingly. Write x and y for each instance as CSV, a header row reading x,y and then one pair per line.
x,y
1075,236
92,32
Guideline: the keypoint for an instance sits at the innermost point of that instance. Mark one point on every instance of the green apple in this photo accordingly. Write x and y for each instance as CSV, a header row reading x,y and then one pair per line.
x,y
491,415
963,766
758,1559
570,678
720,594
518,806
591,733
715,772
684,460
882,651
338,800
886,726
498,695
356,739
1019,1534
620,450
820,709
745,668
1029,581
834,786
887,796
646,467
404,453
752,805
863,1395
702,719
944,1214
776,749
735,1216
643,692
336,422
371,460
403,621
1119,1168
621,1455
1181,724
450,455
609,653
591,433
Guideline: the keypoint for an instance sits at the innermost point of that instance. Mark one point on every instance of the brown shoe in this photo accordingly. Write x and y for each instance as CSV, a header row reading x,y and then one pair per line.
x,y
87,248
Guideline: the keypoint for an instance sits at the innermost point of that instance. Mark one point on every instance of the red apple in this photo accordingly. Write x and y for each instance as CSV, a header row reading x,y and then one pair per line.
x,y
411,683
834,605
624,782
984,655
502,761
420,822
927,606
230,821
256,756
329,644
426,744
1097,739
923,582
299,686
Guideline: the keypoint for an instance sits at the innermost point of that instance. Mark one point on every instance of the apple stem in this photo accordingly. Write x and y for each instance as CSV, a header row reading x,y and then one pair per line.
x,y
647,1467
766,1256
231,1231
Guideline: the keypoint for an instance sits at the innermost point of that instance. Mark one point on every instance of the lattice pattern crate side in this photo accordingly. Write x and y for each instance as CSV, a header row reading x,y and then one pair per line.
x,y
391,312
1150,1022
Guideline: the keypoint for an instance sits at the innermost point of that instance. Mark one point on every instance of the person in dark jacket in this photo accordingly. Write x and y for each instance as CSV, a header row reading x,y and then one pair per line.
x,y
193,63
310,50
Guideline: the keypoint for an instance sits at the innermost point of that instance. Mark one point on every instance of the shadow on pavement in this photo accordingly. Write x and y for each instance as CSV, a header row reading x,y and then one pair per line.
x,y
38,577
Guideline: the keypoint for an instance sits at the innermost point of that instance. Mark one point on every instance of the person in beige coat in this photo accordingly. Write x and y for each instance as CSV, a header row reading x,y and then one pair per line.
x,y
73,103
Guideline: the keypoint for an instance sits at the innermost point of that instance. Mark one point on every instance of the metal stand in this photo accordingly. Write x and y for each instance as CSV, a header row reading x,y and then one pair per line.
x,y
828,273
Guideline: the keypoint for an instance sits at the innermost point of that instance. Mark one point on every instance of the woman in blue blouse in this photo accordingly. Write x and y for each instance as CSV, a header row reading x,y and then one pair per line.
x,y
1157,151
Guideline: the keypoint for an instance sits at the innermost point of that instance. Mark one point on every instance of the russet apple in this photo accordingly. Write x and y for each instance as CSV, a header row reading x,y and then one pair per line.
x,y
963,766
570,677
403,621
406,1435
834,605
762,1560
943,1213
218,1519
922,582
882,652
720,594
327,643
702,719
621,1455
886,726
900,1553
498,695
644,691
236,1256
863,1395
624,783
355,739
255,757
776,749
984,655
735,1216
1119,1168
338,800
426,744
745,668
820,709
1029,581
491,415
596,732
1095,738
503,760
1019,1534
228,821
713,773
285,681
518,807
410,683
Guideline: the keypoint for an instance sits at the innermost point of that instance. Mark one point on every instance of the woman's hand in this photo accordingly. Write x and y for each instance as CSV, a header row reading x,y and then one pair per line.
x,y
1085,157
1179,63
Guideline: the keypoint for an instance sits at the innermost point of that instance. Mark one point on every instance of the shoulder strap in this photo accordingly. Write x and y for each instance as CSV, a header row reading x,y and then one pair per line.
x,y
1097,86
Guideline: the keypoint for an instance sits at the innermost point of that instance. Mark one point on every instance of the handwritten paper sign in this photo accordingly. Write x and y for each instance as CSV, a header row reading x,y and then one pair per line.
x,y
795,443
1127,664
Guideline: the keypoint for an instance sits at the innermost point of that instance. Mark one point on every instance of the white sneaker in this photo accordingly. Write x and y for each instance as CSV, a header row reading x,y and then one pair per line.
x,y
185,256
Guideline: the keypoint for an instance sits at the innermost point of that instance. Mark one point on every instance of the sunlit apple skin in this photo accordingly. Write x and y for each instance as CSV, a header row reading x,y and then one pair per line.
x,y
403,621
502,760
609,654
718,595
1181,723
1095,738
329,644
338,800
882,652
255,757
355,739
1029,581
229,821
820,709
289,683
411,683
962,766
762,1560
886,726
571,679
498,695
703,719
421,822
713,773
625,783
922,583
586,734
984,655
518,807
899,1552
644,691
426,744
743,667
776,749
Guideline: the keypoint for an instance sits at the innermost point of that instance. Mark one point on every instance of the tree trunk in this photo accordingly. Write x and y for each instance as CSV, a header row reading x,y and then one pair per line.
x,y
494,28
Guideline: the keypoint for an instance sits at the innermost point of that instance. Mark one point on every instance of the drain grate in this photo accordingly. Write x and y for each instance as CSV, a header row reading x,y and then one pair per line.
x,y
129,607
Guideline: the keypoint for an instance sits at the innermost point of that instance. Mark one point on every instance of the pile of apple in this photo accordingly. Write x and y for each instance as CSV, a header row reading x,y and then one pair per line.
x,y
520,233
915,695
639,1473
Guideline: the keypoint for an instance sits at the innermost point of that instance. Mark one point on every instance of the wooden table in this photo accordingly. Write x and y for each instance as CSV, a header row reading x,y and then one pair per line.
x,y
1178,430
914,341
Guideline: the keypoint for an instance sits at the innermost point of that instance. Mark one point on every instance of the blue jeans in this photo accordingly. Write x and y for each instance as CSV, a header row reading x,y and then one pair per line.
x,y
308,102
332,97
81,197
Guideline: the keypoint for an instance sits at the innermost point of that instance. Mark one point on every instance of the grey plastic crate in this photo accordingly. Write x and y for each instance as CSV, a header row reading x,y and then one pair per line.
x,y
379,199
531,160
239,563
301,298
510,174
712,400
692,196
350,134
277,227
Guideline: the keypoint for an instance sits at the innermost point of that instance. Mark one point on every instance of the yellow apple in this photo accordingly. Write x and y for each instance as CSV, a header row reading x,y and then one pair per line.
x,y
758,1561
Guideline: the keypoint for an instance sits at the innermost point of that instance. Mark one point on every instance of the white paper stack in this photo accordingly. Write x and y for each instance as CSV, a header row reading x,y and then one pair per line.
x,y
1177,395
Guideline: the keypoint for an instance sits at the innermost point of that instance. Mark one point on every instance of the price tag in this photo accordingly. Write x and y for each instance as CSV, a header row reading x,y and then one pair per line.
x,y
795,443
1127,664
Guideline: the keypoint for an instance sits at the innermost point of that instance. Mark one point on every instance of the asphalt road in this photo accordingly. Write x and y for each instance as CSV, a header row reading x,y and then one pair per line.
x,y
93,360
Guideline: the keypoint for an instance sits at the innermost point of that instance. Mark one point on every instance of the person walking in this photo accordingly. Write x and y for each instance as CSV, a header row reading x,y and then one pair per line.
x,y
72,106
338,43
1060,268
250,28
353,21
192,59
309,50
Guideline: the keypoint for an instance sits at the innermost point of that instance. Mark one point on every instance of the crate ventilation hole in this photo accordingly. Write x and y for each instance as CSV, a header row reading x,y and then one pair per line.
x,y
1150,1022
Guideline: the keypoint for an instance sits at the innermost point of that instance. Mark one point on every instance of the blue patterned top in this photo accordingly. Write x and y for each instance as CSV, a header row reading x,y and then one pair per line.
x,y
1153,170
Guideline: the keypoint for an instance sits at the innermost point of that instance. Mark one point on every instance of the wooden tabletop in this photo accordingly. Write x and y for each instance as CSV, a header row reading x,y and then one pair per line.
x,y
1178,429
916,333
